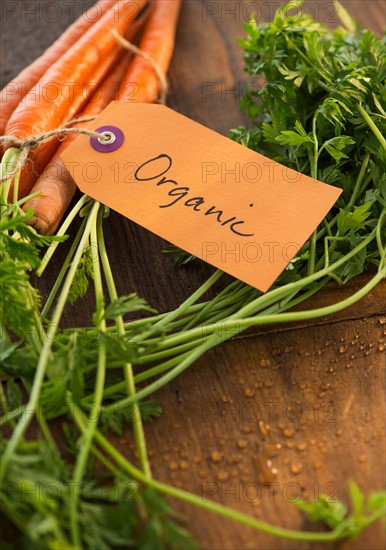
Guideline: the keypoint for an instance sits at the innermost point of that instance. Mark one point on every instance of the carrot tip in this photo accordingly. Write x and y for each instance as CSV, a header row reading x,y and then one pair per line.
x,y
41,226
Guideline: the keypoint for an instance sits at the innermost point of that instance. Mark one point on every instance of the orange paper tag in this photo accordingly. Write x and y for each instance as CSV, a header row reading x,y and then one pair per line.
x,y
229,206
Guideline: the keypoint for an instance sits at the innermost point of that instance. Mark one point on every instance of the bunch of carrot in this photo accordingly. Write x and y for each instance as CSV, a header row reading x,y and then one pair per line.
x,y
89,58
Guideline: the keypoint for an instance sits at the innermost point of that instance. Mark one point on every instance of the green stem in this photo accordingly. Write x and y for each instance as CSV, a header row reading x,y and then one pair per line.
x,y
48,436
8,162
187,319
190,358
117,473
121,386
267,299
60,233
82,457
41,367
232,293
184,306
166,353
67,262
314,175
231,328
311,259
9,416
307,314
374,128
4,405
16,182
358,183
162,367
381,246
282,291
222,331
139,434
22,201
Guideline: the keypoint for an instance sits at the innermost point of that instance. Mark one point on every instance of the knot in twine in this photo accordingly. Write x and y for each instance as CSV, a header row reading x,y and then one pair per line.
x,y
32,142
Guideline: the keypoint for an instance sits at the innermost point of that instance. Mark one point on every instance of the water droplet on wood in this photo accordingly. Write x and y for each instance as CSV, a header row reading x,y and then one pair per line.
x,y
296,468
264,428
216,456
222,476
288,432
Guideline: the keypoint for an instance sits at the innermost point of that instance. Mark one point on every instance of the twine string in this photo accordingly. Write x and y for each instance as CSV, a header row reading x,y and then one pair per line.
x,y
135,50
32,142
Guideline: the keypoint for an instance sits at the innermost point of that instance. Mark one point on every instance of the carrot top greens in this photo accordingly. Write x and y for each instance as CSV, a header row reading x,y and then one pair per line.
x,y
320,110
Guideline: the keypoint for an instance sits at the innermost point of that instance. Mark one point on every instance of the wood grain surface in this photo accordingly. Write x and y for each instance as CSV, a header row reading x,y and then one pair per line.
x,y
277,413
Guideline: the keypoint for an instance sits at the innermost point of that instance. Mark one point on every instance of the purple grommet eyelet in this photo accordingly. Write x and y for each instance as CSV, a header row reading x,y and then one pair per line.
x,y
115,139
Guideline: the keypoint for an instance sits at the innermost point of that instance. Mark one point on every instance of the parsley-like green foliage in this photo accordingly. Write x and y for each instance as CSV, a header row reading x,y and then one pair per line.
x,y
334,512
117,419
83,274
19,254
36,496
126,304
319,109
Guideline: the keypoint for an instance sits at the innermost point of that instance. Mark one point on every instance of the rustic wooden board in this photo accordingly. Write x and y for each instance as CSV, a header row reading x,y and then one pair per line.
x,y
317,387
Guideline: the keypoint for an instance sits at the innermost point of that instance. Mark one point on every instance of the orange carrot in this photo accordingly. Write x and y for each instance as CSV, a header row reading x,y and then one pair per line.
x,y
41,157
39,113
55,183
141,82
13,93
88,59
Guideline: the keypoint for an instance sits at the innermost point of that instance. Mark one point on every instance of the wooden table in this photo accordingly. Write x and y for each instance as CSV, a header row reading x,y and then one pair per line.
x,y
316,389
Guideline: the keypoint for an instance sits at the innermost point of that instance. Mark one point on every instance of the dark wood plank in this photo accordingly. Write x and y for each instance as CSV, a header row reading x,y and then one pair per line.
x,y
331,371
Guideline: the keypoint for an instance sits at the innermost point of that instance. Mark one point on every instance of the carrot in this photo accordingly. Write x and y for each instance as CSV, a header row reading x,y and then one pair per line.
x,y
91,56
38,113
41,157
13,93
158,42
55,183
38,159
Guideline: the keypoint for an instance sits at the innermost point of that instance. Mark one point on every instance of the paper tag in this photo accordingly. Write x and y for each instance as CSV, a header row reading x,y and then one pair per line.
x,y
233,208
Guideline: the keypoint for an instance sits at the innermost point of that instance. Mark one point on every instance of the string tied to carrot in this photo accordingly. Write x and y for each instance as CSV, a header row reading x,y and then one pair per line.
x,y
157,69
31,143
142,70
